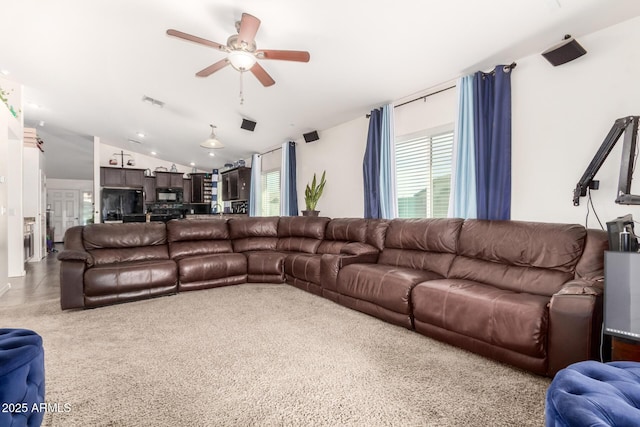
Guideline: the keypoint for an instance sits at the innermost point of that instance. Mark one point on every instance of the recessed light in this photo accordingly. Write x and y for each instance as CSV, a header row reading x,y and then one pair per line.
x,y
212,154
153,153
41,123
140,134
192,164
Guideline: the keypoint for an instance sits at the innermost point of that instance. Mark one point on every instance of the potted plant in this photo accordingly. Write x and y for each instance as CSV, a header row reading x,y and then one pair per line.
x,y
312,194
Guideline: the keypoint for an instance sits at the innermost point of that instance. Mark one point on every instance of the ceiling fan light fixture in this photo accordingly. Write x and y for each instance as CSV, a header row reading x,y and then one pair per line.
x,y
241,60
212,142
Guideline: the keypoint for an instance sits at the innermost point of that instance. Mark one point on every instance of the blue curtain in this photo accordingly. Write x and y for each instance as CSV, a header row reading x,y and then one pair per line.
x,y
255,191
388,199
463,187
288,190
492,129
371,167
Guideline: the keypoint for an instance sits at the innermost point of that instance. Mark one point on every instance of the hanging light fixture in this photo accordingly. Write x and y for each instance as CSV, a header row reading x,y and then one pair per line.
x,y
212,141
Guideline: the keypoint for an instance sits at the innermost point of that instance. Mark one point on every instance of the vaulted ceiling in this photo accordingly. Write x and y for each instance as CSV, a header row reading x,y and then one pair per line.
x,y
86,65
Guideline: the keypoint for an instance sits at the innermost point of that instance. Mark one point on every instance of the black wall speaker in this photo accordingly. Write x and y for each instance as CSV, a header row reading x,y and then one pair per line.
x,y
311,136
248,125
565,51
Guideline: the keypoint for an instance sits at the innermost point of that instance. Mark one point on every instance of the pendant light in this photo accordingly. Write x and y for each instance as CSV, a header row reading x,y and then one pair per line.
x,y
212,141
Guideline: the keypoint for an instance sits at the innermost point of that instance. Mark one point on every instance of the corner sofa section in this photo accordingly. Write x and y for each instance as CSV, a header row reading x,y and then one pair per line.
x,y
528,294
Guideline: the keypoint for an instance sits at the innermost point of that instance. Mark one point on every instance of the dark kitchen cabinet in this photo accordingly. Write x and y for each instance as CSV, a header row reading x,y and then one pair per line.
x,y
201,188
149,189
120,177
186,192
236,184
169,179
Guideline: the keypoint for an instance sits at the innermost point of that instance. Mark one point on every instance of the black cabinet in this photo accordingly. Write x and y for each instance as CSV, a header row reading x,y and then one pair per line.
x,y
120,177
201,188
169,179
186,192
149,189
236,184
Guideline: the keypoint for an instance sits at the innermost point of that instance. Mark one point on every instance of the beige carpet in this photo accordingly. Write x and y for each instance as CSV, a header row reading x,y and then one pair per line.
x,y
259,354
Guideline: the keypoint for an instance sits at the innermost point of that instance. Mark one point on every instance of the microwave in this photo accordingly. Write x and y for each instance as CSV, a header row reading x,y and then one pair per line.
x,y
169,195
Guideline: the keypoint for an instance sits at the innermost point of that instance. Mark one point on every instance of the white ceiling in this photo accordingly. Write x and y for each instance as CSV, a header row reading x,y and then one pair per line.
x,y
87,65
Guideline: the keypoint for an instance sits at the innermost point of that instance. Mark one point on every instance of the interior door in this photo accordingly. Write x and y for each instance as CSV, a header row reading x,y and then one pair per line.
x,y
65,211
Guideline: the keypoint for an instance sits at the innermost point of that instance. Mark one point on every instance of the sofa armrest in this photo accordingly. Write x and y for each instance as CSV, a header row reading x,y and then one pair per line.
x,y
583,287
72,284
75,255
575,323
356,248
330,265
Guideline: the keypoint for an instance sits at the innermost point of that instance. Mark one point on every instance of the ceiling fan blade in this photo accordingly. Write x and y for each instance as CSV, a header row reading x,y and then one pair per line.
x,y
262,75
248,28
213,68
195,39
285,55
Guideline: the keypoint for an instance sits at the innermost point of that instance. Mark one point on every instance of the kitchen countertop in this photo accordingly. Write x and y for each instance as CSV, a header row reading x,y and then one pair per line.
x,y
214,216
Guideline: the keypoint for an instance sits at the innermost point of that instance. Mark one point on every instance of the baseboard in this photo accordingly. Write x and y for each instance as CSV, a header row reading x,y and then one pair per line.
x,y
4,288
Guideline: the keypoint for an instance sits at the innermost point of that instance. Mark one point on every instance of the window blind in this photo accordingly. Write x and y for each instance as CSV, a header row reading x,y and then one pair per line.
x,y
271,193
423,175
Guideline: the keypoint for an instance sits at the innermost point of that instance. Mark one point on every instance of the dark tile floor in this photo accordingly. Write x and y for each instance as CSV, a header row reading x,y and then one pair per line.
x,y
42,282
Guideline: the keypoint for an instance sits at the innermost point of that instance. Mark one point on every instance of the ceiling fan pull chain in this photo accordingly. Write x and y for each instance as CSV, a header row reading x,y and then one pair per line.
x,y
241,91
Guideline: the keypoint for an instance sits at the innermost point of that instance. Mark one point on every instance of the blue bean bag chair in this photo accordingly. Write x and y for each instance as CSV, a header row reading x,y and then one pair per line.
x,y
21,378
594,394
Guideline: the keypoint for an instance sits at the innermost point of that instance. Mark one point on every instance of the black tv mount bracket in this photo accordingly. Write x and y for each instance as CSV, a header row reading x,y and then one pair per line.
x,y
628,126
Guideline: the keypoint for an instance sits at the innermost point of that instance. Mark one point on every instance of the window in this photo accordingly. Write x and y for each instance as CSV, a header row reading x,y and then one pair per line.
x,y
271,193
423,174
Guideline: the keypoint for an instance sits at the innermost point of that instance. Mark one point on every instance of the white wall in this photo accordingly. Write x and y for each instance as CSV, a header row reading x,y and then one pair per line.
x,y
560,115
339,151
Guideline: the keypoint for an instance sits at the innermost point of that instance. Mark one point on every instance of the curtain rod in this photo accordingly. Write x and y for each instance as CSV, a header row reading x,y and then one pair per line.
x,y
510,67
419,98
275,149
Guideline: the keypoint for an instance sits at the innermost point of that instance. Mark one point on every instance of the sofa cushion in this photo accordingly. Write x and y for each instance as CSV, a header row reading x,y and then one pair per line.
x,y
424,244
198,237
347,229
302,226
128,235
304,267
200,229
254,233
129,242
300,234
520,256
124,277
213,266
511,320
384,285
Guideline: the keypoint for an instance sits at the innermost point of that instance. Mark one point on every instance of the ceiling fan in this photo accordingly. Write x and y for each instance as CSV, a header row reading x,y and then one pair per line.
x,y
242,52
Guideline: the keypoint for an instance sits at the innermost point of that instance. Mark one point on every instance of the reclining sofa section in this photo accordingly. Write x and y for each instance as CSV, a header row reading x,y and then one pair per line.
x,y
528,294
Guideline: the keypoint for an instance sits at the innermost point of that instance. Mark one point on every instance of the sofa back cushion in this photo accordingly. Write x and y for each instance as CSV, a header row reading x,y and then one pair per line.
x,y
136,241
254,233
301,233
423,244
198,237
591,264
341,231
530,257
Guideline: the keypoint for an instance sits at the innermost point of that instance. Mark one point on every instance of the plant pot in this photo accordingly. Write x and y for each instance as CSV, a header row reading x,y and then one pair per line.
x,y
310,213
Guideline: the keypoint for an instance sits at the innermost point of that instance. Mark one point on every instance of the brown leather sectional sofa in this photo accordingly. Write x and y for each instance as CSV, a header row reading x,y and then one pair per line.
x,y
528,294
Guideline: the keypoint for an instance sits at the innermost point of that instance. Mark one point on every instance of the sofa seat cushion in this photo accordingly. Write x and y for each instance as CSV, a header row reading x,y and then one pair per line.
x,y
384,285
119,278
265,262
507,319
304,267
212,266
